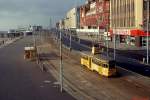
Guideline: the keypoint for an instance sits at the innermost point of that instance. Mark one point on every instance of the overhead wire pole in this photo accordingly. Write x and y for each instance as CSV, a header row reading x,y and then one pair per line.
x,y
107,36
148,31
61,67
50,23
70,40
114,33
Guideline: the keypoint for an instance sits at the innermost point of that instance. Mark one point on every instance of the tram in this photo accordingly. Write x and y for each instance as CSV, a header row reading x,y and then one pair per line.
x,y
103,65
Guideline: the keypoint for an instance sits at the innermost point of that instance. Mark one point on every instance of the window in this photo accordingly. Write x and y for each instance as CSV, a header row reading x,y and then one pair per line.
x,y
105,65
84,57
97,62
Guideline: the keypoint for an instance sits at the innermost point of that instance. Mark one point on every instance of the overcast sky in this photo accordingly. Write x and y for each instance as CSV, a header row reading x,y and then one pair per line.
x,y
14,13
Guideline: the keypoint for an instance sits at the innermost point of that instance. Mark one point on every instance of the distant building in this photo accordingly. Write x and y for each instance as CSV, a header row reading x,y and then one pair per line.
x,y
128,21
3,34
13,33
72,19
61,24
36,28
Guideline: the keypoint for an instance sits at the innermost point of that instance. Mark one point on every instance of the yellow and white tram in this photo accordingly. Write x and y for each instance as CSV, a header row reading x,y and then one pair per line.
x,y
105,66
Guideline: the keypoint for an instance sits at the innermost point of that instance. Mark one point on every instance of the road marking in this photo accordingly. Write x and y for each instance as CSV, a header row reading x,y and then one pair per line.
x,y
84,81
47,81
41,86
56,83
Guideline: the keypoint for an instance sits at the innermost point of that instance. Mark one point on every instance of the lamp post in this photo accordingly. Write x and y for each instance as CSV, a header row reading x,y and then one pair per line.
x,y
107,40
147,31
61,67
70,40
114,33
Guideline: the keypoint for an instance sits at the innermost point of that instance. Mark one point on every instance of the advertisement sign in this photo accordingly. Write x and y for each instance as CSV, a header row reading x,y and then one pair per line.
x,y
121,31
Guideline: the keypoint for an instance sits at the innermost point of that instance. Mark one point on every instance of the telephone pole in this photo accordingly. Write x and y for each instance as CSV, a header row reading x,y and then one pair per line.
x,y
61,67
50,23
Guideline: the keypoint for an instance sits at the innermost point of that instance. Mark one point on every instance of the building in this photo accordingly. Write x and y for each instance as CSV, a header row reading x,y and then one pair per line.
x,y
94,14
3,34
71,21
128,21
95,19
35,28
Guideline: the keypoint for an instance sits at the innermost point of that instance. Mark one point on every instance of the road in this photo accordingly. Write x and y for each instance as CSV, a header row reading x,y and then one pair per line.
x,y
133,54
23,80
122,61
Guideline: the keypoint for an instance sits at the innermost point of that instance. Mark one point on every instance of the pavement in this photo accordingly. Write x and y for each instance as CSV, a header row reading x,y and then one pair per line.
x,y
21,79
86,85
6,41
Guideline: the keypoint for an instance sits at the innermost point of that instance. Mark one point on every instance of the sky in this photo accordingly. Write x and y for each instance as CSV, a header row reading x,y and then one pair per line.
x,y
18,13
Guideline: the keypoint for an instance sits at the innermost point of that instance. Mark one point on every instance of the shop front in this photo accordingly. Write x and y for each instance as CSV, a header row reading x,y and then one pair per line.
x,y
140,37
130,37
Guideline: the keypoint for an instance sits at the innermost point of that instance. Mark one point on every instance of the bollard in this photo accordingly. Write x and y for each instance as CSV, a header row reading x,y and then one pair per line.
x,y
44,68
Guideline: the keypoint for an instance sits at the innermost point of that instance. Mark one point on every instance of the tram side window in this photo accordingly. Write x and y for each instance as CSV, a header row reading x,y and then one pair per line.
x,y
96,62
85,57
105,65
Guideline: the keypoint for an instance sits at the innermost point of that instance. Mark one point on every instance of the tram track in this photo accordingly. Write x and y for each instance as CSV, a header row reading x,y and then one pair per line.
x,y
101,87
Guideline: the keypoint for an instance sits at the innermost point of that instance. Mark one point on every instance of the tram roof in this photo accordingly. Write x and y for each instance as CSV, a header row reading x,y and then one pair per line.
x,y
103,57
98,56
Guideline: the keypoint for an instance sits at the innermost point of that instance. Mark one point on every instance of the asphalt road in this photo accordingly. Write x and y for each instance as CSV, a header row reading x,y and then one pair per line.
x,y
23,80
122,61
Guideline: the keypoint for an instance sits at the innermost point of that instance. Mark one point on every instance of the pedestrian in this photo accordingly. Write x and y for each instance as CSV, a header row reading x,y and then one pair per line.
x,y
3,41
44,68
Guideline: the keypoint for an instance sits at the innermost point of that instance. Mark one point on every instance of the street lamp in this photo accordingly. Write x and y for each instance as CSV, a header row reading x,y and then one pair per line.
x,y
107,40
147,31
70,40
114,34
61,67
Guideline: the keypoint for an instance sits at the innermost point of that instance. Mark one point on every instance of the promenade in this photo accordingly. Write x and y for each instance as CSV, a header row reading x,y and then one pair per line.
x,y
21,79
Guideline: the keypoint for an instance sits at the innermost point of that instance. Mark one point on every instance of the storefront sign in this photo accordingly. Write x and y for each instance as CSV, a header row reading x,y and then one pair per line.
x,y
121,31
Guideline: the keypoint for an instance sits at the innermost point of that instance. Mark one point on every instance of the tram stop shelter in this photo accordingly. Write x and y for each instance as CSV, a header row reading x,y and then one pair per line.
x,y
30,52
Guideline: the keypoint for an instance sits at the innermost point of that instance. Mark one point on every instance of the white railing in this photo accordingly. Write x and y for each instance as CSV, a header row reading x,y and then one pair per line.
x,y
88,30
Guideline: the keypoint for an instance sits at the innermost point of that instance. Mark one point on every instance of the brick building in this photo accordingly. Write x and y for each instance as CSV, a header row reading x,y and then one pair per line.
x,y
94,14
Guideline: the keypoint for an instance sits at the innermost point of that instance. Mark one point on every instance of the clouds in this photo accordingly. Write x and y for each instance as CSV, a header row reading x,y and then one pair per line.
x,y
24,12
